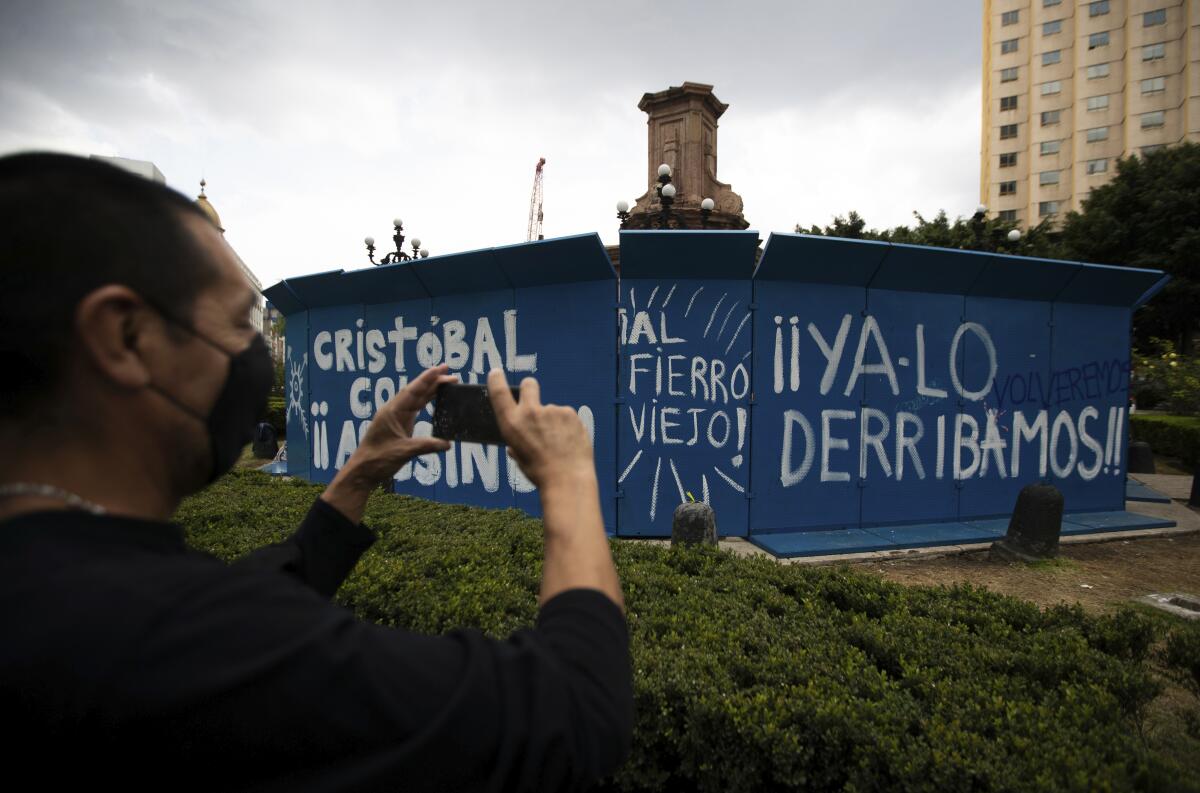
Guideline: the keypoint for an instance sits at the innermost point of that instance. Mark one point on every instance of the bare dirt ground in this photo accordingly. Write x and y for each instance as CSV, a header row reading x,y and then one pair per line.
x,y
1100,576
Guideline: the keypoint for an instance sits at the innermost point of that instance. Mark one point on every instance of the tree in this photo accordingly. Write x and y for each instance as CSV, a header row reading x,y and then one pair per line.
x,y
850,227
1149,216
977,234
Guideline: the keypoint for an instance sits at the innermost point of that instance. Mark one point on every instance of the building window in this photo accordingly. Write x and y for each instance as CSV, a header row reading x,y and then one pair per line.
x,y
1097,134
1051,27
1051,57
1008,160
1008,188
1008,131
1008,75
1098,40
1097,102
1153,147
1007,216
1097,166
1097,71
1052,87
1008,103
1152,18
1051,146
1098,8
1151,120
1050,117
1048,177
1010,45
1047,208
1048,3
1154,52
1010,17
1155,85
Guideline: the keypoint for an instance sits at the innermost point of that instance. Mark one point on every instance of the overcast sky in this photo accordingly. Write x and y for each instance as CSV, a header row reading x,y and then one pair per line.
x,y
315,123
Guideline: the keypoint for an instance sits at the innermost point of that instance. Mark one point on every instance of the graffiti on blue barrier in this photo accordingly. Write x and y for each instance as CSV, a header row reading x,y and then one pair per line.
x,y
840,384
1092,380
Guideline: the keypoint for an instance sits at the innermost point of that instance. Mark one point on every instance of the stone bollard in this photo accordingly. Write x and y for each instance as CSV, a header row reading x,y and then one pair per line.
x,y
1035,526
1141,458
694,522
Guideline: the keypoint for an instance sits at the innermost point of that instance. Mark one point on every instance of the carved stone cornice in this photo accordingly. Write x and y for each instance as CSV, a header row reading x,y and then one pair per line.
x,y
682,132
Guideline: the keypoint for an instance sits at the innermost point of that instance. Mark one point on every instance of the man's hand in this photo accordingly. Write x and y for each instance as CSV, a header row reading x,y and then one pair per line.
x,y
548,441
389,442
552,447
387,445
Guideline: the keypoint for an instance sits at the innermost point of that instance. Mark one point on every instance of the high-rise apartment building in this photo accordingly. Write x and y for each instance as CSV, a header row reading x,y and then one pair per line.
x,y
1070,86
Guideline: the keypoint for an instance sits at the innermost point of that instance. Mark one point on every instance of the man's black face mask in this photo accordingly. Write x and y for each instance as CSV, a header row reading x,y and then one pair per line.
x,y
241,402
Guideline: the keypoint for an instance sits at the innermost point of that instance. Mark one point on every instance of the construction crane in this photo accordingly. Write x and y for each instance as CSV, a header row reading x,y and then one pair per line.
x,y
534,230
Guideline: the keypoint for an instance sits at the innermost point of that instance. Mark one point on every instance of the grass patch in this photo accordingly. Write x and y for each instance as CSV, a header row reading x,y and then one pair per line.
x,y
750,675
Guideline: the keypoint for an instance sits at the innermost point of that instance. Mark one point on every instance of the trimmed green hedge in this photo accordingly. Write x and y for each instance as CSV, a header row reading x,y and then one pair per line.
x,y
1174,436
277,415
1182,656
750,675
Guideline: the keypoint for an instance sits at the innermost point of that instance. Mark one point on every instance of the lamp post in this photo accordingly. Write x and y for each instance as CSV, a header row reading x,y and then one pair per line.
x,y
977,221
623,212
667,217
397,255
666,196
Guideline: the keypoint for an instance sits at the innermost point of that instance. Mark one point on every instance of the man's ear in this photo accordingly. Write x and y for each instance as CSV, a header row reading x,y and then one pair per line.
x,y
116,331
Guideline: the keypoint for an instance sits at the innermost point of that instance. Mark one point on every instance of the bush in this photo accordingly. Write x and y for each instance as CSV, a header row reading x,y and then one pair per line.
x,y
750,675
1173,436
276,415
1166,379
1182,656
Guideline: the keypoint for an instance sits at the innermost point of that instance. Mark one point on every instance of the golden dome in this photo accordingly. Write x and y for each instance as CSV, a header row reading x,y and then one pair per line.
x,y
207,208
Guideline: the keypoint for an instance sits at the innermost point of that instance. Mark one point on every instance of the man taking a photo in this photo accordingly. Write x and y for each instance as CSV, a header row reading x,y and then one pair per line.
x,y
131,379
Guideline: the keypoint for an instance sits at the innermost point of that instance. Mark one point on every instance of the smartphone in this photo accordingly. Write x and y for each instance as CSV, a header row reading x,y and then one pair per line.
x,y
463,412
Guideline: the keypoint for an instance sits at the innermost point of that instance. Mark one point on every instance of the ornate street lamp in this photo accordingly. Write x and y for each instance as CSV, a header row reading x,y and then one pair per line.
x,y
977,221
666,197
397,255
623,212
667,217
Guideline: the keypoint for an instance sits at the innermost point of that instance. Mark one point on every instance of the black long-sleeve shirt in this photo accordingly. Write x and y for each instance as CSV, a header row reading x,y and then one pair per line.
x,y
126,657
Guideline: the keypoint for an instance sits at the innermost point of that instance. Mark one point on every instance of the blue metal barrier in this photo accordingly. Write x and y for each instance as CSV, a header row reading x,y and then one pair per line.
x,y
830,386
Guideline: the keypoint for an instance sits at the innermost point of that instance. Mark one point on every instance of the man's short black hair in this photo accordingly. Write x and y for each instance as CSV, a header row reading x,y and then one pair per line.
x,y
69,225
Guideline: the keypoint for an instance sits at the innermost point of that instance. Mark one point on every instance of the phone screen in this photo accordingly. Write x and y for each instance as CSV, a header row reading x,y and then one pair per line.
x,y
463,412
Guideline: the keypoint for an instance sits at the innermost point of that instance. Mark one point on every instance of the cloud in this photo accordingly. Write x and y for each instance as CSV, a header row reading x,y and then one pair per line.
x,y
884,160
315,125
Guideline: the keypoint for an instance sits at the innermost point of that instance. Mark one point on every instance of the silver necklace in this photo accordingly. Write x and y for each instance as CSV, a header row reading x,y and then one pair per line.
x,y
50,491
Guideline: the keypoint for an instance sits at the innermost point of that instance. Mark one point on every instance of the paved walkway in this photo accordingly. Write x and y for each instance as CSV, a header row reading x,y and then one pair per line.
x,y
1177,487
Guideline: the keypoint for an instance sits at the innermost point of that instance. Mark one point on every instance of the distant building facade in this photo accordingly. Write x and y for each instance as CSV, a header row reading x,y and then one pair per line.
x,y
256,313
1070,86
272,317
143,168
